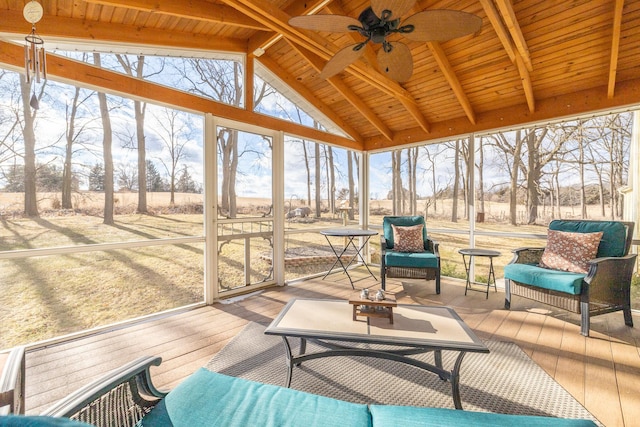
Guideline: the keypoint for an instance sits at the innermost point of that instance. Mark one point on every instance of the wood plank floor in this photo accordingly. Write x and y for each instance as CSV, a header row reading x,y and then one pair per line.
x,y
602,371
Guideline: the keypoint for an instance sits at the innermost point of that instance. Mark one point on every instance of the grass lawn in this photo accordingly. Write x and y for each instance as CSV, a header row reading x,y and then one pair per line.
x,y
48,296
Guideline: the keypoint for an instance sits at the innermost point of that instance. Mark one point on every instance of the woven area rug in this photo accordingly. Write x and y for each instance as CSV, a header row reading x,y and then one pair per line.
x,y
503,381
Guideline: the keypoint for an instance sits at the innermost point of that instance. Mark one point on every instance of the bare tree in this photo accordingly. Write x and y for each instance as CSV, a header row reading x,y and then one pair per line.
x,y
456,182
352,206
317,180
174,137
136,69
75,128
28,132
511,149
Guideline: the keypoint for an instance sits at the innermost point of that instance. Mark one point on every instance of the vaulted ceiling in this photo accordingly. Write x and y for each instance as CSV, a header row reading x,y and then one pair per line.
x,y
531,60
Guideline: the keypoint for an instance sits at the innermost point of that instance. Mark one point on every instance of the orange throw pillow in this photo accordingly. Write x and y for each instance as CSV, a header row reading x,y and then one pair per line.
x,y
570,251
408,239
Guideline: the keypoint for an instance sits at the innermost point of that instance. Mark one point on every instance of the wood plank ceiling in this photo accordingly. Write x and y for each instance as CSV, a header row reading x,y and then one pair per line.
x,y
531,61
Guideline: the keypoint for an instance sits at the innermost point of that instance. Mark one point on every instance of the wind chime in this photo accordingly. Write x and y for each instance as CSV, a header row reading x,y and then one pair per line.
x,y
35,62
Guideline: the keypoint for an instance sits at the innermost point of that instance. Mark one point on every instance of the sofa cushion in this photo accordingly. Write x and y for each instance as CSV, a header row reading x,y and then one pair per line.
x,y
38,421
410,259
613,242
570,251
408,239
407,416
403,221
211,399
556,280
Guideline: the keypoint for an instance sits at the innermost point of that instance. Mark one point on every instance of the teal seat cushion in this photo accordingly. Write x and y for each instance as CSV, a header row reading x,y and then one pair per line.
x,y
211,399
556,280
614,234
410,259
38,421
401,221
406,416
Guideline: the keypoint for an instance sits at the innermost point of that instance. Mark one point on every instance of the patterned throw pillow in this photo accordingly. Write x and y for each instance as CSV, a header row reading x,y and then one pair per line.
x,y
408,239
570,251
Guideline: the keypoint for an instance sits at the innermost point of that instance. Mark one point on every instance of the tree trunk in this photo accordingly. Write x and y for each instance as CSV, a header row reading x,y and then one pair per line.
x,y
480,177
67,173
308,169
351,185
317,179
456,183
107,141
513,188
30,172
233,197
533,177
140,108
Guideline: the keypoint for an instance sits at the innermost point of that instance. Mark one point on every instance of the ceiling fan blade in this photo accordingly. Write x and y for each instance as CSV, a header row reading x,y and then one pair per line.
x,y
396,7
329,23
441,25
397,64
341,60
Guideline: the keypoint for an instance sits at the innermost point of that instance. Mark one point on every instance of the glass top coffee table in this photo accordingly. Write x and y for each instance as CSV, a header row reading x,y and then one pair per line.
x,y
415,329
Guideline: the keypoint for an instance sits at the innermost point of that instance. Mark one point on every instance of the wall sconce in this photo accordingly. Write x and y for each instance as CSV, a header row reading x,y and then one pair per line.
x,y
35,64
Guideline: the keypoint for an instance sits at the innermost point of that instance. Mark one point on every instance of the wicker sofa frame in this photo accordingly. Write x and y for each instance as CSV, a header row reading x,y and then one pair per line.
x,y
120,398
606,288
12,382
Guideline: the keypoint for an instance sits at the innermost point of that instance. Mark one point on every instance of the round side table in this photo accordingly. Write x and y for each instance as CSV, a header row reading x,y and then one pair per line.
x,y
467,267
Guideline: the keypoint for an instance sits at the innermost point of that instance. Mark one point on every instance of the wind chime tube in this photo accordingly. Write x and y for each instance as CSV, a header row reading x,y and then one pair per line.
x,y
27,63
43,62
35,63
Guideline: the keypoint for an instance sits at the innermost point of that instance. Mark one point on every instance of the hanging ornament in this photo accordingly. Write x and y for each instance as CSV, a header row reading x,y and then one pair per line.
x,y
35,64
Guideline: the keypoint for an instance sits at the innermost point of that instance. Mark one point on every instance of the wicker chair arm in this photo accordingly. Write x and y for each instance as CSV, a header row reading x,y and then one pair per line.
x,y
611,272
92,402
527,255
432,246
383,244
12,383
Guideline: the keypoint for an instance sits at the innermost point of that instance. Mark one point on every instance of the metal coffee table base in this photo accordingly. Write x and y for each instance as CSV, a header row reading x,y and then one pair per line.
x,y
396,355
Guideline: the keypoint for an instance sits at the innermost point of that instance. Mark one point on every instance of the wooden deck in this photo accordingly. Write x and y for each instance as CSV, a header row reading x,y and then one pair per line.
x,y
602,372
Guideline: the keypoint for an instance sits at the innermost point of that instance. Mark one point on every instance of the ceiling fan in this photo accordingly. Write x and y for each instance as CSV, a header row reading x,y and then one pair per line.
x,y
382,19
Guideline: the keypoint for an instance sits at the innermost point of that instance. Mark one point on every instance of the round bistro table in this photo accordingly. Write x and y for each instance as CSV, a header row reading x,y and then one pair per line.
x,y
350,234
467,267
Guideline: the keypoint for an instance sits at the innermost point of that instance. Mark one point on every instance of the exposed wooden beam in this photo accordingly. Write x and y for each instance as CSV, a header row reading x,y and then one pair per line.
x,y
347,93
204,10
615,47
276,19
527,84
501,31
97,32
514,55
262,41
587,101
86,75
309,96
450,75
511,21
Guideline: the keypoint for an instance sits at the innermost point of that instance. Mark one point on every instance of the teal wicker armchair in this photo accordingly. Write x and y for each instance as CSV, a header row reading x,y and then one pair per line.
x,y
603,289
417,265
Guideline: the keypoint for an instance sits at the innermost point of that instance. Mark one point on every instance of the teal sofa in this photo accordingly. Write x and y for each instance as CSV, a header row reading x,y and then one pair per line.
x,y
419,265
209,399
605,288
